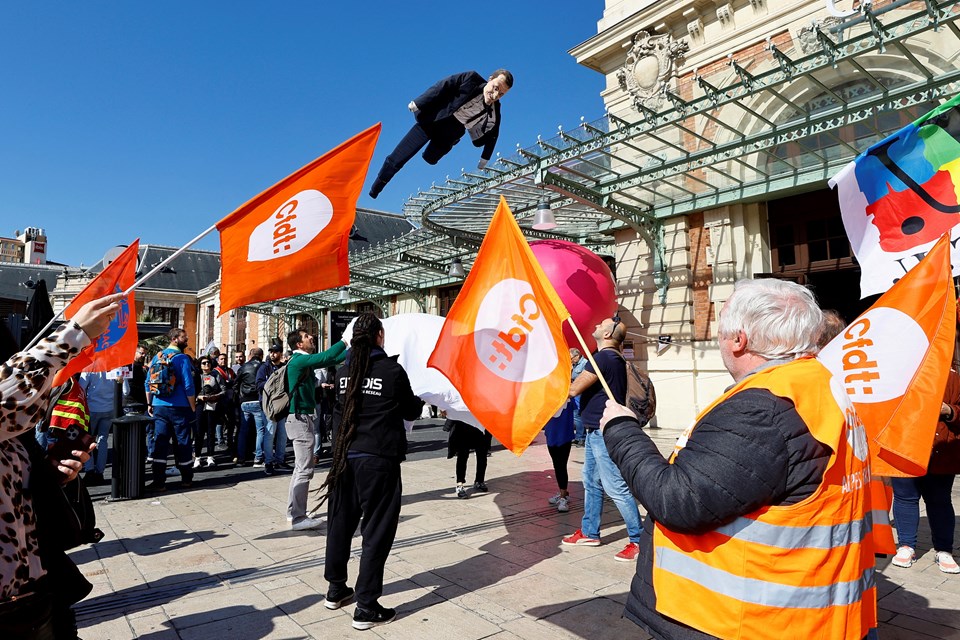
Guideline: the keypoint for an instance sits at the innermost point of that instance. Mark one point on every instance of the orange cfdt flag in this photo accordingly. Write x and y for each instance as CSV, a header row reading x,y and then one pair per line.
x,y
502,343
893,361
116,346
293,238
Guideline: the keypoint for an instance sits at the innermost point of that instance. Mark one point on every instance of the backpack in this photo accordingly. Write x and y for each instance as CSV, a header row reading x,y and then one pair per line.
x,y
161,377
641,395
275,399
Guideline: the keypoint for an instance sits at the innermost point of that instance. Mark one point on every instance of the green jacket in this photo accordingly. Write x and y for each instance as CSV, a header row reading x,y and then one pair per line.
x,y
303,395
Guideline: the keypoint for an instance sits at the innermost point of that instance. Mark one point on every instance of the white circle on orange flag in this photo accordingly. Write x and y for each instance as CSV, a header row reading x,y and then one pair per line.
x,y
511,335
876,357
291,227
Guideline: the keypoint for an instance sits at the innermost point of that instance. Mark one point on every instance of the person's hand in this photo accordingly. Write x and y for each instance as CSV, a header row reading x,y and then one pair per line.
x,y
413,107
482,164
71,467
613,410
348,333
945,411
95,316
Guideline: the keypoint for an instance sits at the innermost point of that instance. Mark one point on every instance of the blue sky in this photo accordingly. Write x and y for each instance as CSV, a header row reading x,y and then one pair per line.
x,y
131,119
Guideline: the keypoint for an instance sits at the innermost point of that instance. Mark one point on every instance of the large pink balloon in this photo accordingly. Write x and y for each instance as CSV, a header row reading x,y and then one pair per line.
x,y
584,283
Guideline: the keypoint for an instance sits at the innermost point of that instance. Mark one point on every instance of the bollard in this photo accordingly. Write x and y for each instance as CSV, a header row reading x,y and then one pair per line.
x,y
129,451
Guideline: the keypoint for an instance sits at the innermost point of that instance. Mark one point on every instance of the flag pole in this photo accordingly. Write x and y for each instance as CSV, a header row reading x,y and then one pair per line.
x,y
593,363
160,265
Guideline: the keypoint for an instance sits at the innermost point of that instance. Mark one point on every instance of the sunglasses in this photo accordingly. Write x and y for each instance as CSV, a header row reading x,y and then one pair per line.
x,y
616,321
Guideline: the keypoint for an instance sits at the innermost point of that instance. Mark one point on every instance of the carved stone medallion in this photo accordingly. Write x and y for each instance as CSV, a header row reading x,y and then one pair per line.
x,y
649,65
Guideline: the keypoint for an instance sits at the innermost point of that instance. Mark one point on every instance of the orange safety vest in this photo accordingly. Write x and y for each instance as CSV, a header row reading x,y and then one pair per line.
x,y
71,408
804,570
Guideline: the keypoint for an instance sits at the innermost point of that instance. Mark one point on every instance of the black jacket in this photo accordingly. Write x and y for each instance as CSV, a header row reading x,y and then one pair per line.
x,y
751,450
385,402
444,98
246,387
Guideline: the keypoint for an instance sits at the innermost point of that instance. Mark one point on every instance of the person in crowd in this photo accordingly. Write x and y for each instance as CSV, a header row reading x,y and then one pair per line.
x,y
228,408
833,323
560,433
462,439
212,389
326,396
754,502
301,423
275,433
252,419
134,390
578,364
39,583
935,488
600,475
374,397
101,397
171,398
461,103
239,359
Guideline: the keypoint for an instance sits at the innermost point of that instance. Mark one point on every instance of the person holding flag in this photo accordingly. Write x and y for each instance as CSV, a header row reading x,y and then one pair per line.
x,y
762,519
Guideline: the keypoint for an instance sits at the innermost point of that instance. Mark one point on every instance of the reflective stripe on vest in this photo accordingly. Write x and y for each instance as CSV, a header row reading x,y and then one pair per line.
x,y
807,567
761,592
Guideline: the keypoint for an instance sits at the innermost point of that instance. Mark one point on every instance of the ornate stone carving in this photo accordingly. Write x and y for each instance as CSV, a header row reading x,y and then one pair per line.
x,y
807,36
649,65
695,29
725,14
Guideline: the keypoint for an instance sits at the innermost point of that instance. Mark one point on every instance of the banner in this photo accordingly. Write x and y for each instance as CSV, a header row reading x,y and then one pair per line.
x,y
293,238
502,343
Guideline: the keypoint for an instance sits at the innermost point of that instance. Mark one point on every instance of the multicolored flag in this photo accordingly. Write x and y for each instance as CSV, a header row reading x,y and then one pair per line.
x,y
293,238
117,345
502,343
900,195
893,360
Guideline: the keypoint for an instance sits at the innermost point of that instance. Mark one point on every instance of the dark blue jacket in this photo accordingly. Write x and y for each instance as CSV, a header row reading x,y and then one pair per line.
x,y
444,98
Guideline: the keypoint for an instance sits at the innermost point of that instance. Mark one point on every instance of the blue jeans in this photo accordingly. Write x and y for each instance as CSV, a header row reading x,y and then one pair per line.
x,y
251,416
935,490
277,434
578,433
100,430
599,475
174,423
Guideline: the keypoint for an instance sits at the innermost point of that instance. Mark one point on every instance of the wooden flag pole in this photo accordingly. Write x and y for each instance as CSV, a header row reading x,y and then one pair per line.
x,y
593,363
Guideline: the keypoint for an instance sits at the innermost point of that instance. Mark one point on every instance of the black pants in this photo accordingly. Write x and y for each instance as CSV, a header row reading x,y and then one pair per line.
x,y
206,430
560,455
369,487
483,445
439,138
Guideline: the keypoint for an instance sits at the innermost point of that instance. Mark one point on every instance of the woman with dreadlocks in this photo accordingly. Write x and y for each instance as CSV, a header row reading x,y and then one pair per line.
x,y
369,443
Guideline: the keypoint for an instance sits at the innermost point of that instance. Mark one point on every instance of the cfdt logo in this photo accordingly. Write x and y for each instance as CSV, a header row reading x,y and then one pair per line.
x,y
511,335
291,227
875,358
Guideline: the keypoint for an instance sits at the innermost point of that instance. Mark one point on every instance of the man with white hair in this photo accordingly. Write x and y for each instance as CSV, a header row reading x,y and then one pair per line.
x,y
761,520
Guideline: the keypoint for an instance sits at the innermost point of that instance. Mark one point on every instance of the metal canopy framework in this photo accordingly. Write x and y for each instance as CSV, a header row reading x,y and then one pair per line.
x,y
747,130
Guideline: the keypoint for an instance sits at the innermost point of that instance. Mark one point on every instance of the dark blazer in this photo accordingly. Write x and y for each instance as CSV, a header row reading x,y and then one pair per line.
x,y
444,98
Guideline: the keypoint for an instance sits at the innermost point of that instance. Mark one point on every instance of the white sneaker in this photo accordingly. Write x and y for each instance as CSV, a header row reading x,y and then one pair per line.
x,y
306,524
211,462
905,557
197,463
946,562
554,499
563,505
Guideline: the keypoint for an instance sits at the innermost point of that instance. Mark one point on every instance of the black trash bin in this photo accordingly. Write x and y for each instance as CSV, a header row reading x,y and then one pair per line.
x,y
129,452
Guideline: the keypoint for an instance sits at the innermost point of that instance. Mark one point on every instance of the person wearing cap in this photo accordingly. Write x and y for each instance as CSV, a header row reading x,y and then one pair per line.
x,y
275,435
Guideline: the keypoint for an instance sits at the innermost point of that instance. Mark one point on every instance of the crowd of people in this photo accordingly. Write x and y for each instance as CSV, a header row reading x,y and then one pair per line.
x,y
748,515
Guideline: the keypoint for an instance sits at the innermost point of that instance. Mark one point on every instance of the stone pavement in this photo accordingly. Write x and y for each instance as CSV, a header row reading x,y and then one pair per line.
x,y
219,561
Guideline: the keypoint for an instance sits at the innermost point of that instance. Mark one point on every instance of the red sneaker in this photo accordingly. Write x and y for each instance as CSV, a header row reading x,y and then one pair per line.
x,y
581,540
629,553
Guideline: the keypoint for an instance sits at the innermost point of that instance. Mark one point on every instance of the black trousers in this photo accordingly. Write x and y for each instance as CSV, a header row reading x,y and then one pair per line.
x,y
560,455
370,488
463,454
439,138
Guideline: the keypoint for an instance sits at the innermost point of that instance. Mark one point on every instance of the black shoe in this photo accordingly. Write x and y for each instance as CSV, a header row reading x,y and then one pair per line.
x,y
337,596
285,466
376,188
268,469
364,619
480,486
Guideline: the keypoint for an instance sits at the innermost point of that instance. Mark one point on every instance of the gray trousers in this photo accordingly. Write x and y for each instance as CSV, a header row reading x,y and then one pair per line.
x,y
300,430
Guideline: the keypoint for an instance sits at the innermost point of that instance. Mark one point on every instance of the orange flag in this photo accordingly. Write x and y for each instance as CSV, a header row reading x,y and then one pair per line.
x,y
292,238
893,361
502,343
117,345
